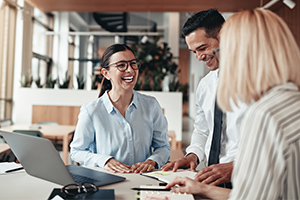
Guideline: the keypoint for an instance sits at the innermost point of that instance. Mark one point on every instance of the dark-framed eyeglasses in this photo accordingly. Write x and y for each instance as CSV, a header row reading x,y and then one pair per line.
x,y
74,189
216,53
122,66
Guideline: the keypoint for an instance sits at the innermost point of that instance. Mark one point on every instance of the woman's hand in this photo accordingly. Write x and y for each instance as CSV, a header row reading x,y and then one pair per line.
x,y
141,167
187,185
114,166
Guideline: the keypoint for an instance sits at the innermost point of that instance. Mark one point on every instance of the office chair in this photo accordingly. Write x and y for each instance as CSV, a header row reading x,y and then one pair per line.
x,y
56,142
4,149
30,132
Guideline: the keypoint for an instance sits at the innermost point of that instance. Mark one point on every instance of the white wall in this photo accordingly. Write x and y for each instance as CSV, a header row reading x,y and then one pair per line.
x,y
171,102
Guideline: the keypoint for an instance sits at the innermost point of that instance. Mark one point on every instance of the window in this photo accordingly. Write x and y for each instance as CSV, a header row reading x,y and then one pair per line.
x,y
42,47
7,43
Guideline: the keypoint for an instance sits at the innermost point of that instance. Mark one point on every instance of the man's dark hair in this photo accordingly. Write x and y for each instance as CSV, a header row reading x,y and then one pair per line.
x,y
211,20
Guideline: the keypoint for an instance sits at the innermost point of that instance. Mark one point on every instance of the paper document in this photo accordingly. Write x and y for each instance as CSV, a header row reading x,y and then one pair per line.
x,y
4,166
168,176
162,195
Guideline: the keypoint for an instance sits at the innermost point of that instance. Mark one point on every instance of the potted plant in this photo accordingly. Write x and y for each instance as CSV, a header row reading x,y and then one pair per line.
x,y
26,80
157,63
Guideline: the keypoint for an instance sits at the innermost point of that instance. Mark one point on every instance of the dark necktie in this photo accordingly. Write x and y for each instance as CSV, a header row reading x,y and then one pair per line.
x,y
216,140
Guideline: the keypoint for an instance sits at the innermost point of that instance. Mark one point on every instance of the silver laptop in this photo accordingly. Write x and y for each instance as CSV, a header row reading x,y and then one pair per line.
x,y
40,159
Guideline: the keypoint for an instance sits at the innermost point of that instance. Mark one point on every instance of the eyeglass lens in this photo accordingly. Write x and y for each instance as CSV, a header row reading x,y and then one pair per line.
x,y
123,65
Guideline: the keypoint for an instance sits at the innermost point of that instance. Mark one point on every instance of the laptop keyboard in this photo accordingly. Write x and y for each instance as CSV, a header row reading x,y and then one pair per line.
x,y
82,179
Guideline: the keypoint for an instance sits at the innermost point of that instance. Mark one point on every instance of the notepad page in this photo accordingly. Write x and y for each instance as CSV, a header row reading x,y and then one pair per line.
x,y
162,195
4,166
168,176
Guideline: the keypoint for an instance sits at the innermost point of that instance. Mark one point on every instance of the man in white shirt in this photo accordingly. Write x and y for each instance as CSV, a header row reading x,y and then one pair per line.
x,y
201,33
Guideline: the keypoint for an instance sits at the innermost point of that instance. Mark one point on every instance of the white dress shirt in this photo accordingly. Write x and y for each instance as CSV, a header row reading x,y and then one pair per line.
x,y
204,122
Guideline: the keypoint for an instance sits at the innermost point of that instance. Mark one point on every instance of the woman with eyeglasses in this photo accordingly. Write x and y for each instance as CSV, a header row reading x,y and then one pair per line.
x,y
260,66
123,130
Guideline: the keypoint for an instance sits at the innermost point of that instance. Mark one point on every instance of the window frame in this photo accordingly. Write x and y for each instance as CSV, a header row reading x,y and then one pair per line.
x,y
8,17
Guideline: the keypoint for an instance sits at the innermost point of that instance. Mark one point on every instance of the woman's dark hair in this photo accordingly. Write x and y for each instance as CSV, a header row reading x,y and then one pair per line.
x,y
211,20
109,51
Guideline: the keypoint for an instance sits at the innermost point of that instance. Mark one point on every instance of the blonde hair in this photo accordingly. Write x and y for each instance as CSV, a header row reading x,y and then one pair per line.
x,y
258,52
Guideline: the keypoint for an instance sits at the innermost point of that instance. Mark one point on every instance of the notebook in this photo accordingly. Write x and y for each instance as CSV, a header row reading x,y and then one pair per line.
x,y
40,159
168,176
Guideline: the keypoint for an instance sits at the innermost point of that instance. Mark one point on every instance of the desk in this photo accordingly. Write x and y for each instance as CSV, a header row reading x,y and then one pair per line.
x,y
60,132
23,186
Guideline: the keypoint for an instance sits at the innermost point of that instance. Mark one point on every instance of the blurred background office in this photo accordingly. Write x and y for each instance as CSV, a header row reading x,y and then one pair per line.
x,y
50,52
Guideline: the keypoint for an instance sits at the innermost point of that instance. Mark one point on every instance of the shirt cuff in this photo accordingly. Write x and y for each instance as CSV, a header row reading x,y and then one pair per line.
x,y
102,160
197,153
158,160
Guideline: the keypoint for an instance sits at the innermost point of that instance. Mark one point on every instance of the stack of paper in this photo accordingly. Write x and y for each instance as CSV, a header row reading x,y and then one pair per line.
x,y
5,166
162,195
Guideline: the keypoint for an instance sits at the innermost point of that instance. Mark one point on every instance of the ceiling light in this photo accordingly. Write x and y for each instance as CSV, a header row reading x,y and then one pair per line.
x,y
289,3
271,3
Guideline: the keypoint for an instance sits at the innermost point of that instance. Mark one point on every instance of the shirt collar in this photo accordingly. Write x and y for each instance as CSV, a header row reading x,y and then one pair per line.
x,y
110,107
107,103
285,86
217,72
135,101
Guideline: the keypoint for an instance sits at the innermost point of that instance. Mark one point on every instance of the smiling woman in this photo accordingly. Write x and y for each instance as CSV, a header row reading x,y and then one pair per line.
x,y
123,130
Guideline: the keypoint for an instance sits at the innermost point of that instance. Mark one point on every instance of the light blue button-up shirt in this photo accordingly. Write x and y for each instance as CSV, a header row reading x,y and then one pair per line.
x,y
102,132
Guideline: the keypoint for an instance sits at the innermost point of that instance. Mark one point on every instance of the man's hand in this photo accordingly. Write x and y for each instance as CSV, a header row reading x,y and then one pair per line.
x,y
113,165
146,166
215,174
188,161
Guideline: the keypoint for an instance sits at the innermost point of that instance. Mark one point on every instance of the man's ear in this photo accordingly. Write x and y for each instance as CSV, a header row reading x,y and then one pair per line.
x,y
218,36
105,73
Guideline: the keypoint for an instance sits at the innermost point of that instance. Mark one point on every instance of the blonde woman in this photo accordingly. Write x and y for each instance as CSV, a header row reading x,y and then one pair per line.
x,y
260,63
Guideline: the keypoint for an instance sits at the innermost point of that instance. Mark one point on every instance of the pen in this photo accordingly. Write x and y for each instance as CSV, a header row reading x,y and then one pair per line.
x,y
151,189
149,176
13,170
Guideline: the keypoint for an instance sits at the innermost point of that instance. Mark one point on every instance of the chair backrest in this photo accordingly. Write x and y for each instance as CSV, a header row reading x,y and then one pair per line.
x,y
30,132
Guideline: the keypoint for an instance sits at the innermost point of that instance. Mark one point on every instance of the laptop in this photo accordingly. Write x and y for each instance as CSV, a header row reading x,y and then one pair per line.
x,y
40,159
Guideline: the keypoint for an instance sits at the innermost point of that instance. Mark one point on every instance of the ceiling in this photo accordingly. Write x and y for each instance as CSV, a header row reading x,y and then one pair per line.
x,y
144,5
